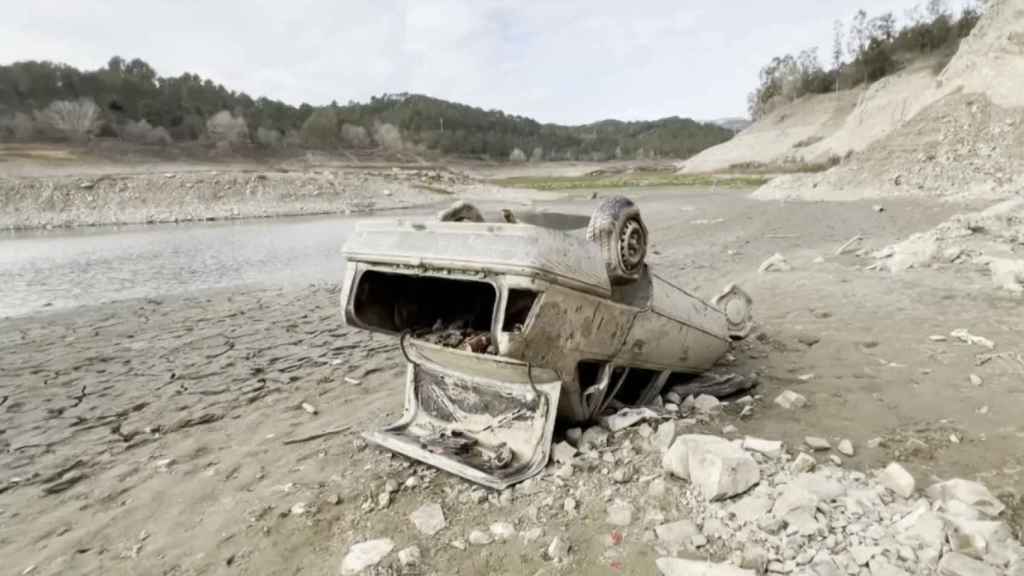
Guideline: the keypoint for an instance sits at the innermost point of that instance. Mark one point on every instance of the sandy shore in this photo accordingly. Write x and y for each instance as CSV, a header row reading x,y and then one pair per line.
x,y
146,436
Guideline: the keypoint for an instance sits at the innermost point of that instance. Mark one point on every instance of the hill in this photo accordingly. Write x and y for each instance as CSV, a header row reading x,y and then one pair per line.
x,y
129,100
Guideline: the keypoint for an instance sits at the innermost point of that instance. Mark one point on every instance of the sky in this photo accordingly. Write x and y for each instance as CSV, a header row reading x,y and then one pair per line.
x,y
564,61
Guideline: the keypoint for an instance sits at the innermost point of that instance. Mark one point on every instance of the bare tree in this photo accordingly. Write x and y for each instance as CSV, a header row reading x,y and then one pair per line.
x,y
77,120
225,127
387,136
517,155
837,49
937,8
537,155
142,133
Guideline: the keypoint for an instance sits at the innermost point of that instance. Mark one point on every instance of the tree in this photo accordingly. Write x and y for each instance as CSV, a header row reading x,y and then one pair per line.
x,y
517,155
76,120
937,9
858,38
537,155
321,129
387,136
837,44
354,136
268,137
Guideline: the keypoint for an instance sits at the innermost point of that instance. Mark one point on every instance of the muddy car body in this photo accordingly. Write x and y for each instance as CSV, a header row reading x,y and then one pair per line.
x,y
531,328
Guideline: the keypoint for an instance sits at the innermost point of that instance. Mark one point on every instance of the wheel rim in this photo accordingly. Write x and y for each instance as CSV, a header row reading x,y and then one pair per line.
x,y
632,245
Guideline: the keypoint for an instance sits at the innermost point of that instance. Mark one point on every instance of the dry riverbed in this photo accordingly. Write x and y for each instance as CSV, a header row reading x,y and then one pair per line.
x,y
153,436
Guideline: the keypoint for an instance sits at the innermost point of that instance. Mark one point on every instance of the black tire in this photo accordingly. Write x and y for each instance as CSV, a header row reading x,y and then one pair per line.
x,y
617,228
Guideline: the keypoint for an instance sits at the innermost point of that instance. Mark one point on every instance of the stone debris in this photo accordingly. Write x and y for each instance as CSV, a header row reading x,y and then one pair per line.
x,y
790,400
409,556
429,519
665,435
817,443
503,530
365,554
845,447
966,337
966,492
707,404
897,479
309,408
563,453
804,462
573,435
769,448
776,263
593,438
558,550
620,513
479,538
976,380
718,468
684,567
835,459
626,418
956,564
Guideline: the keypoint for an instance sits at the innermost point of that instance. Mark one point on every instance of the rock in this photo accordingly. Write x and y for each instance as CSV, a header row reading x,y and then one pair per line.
x,y
897,479
808,340
620,513
309,408
558,550
429,519
672,397
665,435
677,534
657,489
593,438
879,207
937,338
645,431
967,492
573,435
750,508
503,530
794,496
875,442
790,400
365,554
626,418
976,380
817,443
924,530
956,564
707,404
845,447
881,567
299,509
835,459
411,482
730,430
804,462
754,558
769,448
863,554
391,486
409,556
569,505
383,500
532,535
716,467
480,538
563,453
963,335
684,567
776,263
623,474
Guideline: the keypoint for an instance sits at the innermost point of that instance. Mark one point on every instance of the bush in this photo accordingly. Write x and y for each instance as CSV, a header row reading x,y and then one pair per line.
x,y
75,120
537,155
142,133
355,136
320,130
17,127
226,128
387,136
268,137
517,156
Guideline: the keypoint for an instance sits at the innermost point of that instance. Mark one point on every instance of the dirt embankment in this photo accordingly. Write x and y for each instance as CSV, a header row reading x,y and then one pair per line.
x,y
124,197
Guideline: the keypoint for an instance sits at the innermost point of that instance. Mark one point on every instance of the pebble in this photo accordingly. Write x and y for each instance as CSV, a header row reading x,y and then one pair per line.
x,y
503,530
897,479
365,554
480,538
790,400
845,447
707,404
769,448
593,438
804,462
776,263
429,519
563,452
619,513
569,505
558,550
730,430
835,459
573,435
817,443
409,556
976,380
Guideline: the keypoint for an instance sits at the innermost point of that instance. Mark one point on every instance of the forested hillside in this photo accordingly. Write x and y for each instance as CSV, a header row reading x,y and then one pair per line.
x,y
129,100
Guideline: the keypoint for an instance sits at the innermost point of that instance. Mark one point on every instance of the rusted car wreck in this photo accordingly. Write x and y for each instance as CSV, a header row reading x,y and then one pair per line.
x,y
507,326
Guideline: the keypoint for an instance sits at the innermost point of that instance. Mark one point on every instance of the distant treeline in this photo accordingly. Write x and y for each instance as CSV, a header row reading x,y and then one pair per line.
x,y
870,49
128,100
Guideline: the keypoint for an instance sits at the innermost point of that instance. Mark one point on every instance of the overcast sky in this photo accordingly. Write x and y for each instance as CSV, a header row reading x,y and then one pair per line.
x,y
557,61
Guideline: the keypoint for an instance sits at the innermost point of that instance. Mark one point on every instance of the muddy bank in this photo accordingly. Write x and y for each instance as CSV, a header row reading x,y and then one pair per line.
x,y
154,197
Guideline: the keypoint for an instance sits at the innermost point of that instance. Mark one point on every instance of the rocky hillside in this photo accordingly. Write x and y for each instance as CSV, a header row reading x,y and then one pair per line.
x,y
964,139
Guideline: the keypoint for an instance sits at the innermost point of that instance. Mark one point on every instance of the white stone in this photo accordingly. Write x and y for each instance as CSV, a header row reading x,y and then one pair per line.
x,y
790,400
770,448
707,404
532,534
620,513
924,530
409,556
897,479
573,435
835,459
976,380
968,492
593,438
817,443
955,564
677,534
881,567
665,435
863,554
845,447
480,538
684,567
657,488
804,462
730,430
750,508
503,530
365,554
429,519
558,550
716,467
563,452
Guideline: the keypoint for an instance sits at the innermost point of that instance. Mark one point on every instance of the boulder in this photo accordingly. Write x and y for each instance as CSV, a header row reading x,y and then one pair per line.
x,y
897,479
968,492
718,468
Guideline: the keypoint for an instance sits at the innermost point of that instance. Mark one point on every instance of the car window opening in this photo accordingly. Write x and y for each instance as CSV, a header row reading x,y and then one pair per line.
x,y
517,309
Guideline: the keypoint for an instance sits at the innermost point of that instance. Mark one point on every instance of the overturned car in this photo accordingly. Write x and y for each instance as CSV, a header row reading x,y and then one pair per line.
x,y
508,326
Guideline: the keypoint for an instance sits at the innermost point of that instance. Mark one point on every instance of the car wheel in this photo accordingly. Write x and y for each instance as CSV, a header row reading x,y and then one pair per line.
x,y
617,227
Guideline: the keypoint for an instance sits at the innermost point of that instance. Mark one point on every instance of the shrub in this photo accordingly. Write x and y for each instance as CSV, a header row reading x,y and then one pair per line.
x,y
387,136
355,136
76,120
517,156
537,155
320,130
225,127
17,127
268,137
142,133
